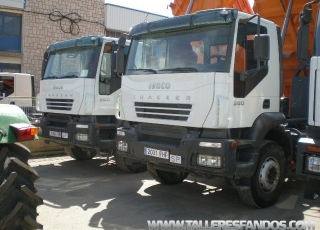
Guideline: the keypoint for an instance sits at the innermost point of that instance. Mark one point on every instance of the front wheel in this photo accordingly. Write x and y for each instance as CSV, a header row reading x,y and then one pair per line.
x,y
166,177
80,154
266,184
134,167
18,199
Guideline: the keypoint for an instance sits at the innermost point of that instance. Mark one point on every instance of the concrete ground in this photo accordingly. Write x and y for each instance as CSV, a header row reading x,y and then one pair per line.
x,y
96,194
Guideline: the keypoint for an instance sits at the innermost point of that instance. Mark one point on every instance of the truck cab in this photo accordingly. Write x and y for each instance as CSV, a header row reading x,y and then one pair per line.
x,y
214,111
78,89
17,89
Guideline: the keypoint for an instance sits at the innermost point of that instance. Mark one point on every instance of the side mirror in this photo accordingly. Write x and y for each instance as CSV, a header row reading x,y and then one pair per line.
x,y
1,85
262,47
120,55
303,42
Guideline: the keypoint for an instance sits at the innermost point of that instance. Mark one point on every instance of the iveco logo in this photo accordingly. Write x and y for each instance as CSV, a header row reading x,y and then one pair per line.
x,y
159,85
57,87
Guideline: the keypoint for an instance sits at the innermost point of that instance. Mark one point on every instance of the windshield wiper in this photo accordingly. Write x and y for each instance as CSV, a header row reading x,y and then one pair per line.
x,y
70,76
51,77
181,69
144,70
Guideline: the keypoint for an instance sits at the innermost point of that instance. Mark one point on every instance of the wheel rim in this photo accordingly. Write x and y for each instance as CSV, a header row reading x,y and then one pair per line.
x,y
269,175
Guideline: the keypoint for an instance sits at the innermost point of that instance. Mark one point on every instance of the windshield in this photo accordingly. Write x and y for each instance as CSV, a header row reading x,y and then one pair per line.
x,y
7,86
77,62
192,50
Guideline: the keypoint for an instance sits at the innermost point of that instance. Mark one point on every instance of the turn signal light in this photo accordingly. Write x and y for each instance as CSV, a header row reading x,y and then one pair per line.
x,y
313,148
24,132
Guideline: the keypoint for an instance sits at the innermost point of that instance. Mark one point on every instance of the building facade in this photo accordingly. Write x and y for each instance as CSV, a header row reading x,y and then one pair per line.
x,y
28,27
119,19
11,35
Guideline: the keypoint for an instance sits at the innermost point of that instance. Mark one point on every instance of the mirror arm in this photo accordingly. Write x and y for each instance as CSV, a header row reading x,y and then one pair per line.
x,y
258,33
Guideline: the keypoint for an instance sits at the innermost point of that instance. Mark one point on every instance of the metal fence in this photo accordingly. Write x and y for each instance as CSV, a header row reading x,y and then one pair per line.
x,y
27,104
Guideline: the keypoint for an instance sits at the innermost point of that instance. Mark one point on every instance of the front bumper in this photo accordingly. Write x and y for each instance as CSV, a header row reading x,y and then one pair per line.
x,y
65,134
184,144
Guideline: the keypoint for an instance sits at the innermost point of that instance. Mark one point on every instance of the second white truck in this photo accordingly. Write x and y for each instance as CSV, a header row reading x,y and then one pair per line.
x,y
77,96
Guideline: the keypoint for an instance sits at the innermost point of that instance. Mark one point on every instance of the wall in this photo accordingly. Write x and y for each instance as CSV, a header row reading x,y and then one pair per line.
x,y
120,18
7,55
39,31
13,3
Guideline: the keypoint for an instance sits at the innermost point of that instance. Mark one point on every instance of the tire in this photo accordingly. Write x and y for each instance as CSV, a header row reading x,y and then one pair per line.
x,y
165,177
18,199
266,184
136,167
79,154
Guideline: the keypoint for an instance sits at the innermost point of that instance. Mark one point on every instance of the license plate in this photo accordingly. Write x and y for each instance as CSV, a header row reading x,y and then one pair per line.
x,y
175,159
156,153
54,134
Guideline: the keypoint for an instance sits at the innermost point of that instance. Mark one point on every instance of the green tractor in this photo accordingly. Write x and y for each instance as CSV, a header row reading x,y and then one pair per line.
x,y
18,199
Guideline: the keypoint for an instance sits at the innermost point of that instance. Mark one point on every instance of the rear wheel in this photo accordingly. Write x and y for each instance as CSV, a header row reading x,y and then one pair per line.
x,y
134,167
266,184
80,154
166,177
18,199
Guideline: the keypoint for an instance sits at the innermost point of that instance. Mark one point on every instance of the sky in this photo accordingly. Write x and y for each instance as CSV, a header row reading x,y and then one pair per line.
x,y
153,6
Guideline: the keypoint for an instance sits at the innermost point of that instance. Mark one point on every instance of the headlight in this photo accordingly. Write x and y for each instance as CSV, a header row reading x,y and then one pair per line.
x,y
313,164
209,161
123,146
121,133
82,137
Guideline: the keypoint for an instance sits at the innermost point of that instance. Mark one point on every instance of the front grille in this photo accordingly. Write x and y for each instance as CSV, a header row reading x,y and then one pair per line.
x,y
165,111
59,104
59,120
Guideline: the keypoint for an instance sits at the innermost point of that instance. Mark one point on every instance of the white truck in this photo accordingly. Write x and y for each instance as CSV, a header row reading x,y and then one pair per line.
x,y
308,156
77,96
216,110
18,89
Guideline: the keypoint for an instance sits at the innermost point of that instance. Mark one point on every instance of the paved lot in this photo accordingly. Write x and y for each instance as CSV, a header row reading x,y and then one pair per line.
x,y
95,194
